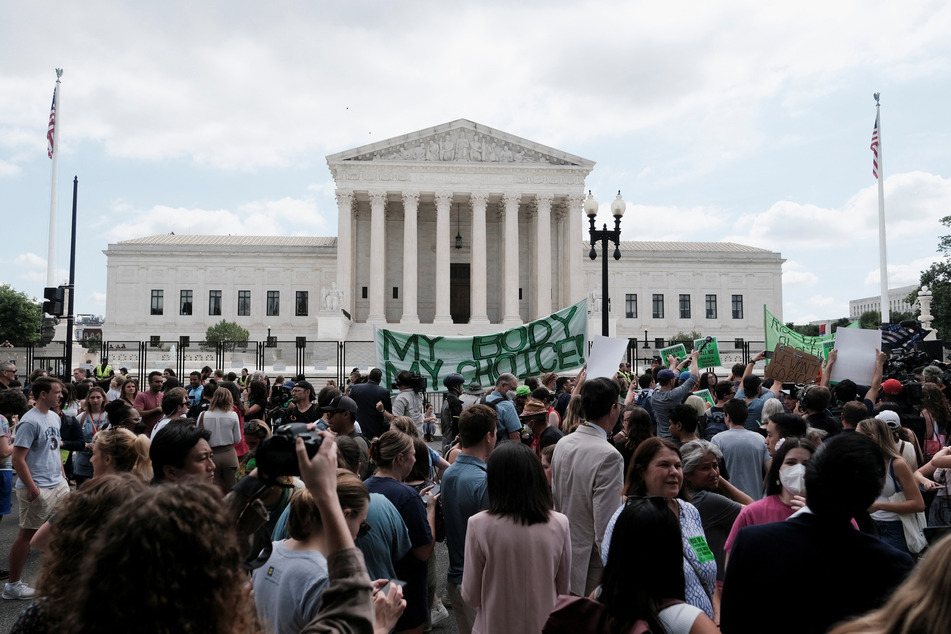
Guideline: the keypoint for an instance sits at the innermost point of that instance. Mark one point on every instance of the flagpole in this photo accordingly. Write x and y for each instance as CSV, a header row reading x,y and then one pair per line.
x,y
882,258
51,250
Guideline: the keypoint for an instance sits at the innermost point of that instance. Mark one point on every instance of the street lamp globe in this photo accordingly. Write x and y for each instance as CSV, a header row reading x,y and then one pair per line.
x,y
618,207
591,205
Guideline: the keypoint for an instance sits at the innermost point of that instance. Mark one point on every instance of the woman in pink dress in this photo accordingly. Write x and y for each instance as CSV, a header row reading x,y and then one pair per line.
x,y
518,552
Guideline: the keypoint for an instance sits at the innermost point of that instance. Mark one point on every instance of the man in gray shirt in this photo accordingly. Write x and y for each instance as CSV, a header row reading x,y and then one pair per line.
x,y
667,396
744,451
40,482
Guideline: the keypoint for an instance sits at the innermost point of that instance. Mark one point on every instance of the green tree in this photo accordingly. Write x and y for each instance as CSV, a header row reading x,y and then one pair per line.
x,y
842,322
93,343
686,339
226,333
937,278
21,317
870,319
810,330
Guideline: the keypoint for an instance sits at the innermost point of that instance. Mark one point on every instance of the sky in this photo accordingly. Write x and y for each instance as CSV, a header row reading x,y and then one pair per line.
x,y
735,121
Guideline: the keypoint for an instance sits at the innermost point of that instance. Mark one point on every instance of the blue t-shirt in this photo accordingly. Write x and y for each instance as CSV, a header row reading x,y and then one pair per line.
x,y
508,418
40,434
465,492
754,408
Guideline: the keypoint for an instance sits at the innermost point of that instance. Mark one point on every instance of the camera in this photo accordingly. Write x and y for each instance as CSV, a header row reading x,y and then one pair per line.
x,y
412,380
277,455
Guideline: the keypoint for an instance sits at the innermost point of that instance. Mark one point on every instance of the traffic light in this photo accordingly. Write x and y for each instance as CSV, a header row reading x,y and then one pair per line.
x,y
54,296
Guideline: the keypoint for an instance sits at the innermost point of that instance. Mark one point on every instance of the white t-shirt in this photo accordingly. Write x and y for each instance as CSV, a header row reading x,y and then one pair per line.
x,y
679,618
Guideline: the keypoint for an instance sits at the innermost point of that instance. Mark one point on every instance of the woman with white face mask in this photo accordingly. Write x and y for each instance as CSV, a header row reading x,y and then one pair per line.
x,y
785,488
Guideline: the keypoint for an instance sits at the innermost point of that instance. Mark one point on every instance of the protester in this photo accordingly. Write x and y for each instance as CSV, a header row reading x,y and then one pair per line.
x,y
222,423
846,572
116,451
289,587
628,597
898,478
656,471
394,455
784,489
519,542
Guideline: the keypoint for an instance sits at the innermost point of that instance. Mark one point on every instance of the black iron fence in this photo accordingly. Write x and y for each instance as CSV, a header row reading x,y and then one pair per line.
x,y
326,360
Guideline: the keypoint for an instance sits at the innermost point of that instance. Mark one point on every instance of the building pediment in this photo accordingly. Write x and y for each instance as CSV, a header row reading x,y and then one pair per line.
x,y
460,142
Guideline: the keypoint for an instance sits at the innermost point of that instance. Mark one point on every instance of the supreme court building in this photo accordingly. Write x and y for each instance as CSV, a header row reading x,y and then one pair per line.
x,y
455,229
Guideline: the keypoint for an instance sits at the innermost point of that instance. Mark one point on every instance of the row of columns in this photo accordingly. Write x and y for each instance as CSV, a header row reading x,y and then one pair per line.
x,y
569,271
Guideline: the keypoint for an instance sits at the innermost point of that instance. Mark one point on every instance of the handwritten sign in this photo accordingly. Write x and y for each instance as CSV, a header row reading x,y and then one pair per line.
x,y
709,352
792,366
678,351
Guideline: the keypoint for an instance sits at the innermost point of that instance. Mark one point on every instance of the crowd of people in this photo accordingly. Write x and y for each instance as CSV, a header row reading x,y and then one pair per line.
x,y
242,503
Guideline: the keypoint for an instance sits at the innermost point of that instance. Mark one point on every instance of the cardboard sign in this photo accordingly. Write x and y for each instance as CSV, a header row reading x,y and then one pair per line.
x,y
678,351
709,352
792,366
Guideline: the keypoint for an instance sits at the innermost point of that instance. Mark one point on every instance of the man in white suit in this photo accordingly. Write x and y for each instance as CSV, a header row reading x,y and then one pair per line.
x,y
587,477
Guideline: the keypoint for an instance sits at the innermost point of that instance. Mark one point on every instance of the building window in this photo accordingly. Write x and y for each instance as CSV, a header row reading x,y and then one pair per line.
x,y
158,302
684,306
364,292
658,305
711,306
396,292
630,306
273,303
185,303
300,304
737,307
214,302
244,303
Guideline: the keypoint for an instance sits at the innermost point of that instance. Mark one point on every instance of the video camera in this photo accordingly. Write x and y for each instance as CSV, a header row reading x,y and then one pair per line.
x,y
412,380
277,455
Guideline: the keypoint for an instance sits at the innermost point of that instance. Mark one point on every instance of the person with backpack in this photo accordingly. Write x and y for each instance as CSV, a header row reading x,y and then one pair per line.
x,y
509,425
451,408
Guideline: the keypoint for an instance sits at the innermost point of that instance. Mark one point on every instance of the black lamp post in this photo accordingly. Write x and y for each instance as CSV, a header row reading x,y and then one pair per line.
x,y
604,235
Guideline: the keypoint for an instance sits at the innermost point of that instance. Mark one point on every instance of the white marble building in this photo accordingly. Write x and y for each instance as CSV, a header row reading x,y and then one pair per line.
x,y
897,302
456,229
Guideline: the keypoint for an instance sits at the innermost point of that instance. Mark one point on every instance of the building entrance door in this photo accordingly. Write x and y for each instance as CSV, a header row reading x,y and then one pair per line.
x,y
459,297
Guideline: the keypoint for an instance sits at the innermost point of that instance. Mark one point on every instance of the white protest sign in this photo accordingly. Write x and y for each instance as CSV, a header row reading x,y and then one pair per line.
x,y
855,355
606,353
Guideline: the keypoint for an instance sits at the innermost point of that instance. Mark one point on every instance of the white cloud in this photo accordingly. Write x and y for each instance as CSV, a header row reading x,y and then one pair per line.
x,y
8,169
648,223
239,93
795,274
98,299
30,260
287,216
914,204
901,274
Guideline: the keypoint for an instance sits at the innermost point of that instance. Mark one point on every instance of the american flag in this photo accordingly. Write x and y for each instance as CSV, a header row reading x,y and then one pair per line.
x,y
51,128
898,336
874,148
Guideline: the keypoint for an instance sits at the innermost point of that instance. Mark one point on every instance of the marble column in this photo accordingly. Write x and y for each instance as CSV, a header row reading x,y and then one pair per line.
x,y
345,248
410,267
478,290
377,314
510,278
443,209
574,238
543,272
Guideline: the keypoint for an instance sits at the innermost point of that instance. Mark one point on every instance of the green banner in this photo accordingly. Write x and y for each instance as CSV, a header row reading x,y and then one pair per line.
x,y
709,352
552,344
777,333
677,350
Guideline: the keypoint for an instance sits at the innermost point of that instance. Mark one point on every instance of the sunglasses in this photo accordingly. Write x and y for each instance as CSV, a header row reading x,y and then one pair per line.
x,y
364,529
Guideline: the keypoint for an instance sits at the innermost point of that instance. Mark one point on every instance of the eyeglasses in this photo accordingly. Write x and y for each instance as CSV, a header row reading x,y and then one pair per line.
x,y
364,529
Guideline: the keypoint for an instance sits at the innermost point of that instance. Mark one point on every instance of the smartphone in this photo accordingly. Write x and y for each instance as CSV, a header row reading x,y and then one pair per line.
x,y
386,585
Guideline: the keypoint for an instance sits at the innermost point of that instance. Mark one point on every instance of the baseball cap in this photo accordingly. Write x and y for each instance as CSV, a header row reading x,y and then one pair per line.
x,y
342,403
892,386
666,375
889,417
